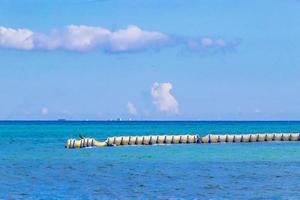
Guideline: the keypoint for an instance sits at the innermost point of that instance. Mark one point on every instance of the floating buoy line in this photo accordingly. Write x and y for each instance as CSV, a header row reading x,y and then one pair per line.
x,y
181,139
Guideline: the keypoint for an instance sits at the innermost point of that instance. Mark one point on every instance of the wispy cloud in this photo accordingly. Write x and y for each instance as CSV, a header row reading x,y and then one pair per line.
x,y
131,108
163,99
84,38
44,111
211,45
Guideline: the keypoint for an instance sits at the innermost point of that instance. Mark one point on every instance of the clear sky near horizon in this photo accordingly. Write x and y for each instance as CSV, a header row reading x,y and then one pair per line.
x,y
105,59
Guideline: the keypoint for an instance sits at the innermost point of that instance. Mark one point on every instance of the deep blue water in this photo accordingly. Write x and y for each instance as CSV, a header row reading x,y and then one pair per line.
x,y
35,165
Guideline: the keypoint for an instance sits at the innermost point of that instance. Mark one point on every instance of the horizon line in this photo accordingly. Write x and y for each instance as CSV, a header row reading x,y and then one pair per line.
x,y
147,120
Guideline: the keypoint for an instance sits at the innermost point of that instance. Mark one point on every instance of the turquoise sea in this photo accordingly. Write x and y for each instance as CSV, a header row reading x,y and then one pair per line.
x,y
35,165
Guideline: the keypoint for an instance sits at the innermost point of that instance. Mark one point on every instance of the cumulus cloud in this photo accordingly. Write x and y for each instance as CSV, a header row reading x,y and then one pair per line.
x,y
83,38
16,38
134,38
131,108
130,39
163,99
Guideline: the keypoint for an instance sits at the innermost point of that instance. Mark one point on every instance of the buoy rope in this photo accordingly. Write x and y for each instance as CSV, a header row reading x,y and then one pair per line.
x,y
182,139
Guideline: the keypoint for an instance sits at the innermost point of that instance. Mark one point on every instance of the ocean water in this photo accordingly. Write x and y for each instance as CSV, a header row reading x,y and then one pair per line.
x,y
35,165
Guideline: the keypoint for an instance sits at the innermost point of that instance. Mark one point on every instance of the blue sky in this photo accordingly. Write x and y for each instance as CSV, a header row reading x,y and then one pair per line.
x,y
202,60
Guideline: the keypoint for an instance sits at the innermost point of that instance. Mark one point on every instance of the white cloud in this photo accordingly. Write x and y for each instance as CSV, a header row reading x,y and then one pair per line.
x,y
44,111
131,108
221,43
207,42
16,38
133,38
51,42
83,38
129,39
163,99
211,44
257,110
